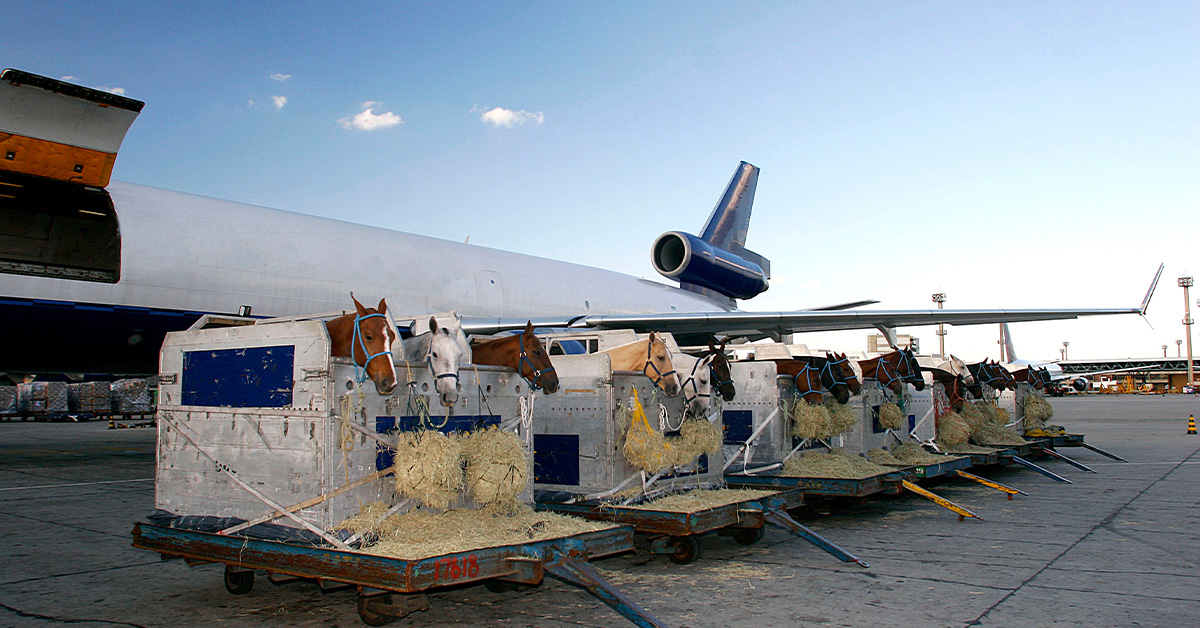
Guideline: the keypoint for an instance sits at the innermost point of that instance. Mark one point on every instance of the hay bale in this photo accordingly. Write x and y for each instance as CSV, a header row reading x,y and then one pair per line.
x,y
809,420
835,463
974,416
993,434
698,436
841,418
429,467
891,417
646,448
952,430
497,465
1037,412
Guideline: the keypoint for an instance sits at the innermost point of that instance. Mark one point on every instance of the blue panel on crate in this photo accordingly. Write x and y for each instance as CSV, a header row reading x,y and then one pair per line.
x,y
912,423
384,457
875,427
446,424
739,426
556,459
252,377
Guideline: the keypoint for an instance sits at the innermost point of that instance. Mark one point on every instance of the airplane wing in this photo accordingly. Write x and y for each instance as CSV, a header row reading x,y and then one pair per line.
x,y
765,324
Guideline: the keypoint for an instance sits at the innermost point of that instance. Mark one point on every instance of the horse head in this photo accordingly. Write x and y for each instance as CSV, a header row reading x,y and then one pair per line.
x,y
844,370
658,365
910,370
722,375
807,378
1004,376
831,378
697,382
444,347
366,337
534,362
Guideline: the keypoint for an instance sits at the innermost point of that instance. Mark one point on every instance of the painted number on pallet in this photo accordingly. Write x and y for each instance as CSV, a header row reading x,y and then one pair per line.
x,y
455,568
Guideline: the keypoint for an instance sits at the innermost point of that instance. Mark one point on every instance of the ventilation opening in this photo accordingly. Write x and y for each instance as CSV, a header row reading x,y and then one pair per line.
x,y
60,230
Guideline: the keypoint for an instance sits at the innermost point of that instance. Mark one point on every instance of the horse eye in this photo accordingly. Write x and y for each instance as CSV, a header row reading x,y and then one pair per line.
x,y
435,354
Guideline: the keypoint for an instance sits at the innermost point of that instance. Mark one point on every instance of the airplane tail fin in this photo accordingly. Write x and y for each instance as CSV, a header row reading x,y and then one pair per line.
x,y
729,222
1010,354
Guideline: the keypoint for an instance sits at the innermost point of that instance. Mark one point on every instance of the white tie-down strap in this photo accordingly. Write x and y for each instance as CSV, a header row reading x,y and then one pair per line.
x,y
916,427
745,448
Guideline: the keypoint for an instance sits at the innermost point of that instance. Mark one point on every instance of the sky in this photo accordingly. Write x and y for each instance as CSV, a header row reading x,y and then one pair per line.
x,y
1012,155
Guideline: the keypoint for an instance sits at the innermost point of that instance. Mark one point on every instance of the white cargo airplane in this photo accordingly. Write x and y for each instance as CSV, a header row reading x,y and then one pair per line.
x,y
1079,383
93,275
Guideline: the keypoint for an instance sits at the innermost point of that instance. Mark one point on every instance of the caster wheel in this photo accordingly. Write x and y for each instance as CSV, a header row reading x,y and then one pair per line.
x,y
684,550
239,582
370,617
748,536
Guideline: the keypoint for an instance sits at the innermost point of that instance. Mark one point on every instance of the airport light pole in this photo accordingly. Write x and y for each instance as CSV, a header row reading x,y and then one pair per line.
x,y
1065,345
1164,351
1185,283
940,298
1178,351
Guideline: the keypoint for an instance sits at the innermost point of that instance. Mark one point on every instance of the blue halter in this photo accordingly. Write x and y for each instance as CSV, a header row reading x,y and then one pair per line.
x,y
835,375
361,371
537,374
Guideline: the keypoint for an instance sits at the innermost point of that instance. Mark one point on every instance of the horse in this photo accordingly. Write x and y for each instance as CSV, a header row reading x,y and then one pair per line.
x,y
722,377
1028,375
522,352
839,362
893,370
366,336
649,355
442,348
697,384
812,375
954,384
991,374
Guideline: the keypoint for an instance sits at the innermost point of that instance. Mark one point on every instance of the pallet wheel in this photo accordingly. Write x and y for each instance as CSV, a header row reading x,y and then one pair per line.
x,y
748,536
684,550
370,617
238,582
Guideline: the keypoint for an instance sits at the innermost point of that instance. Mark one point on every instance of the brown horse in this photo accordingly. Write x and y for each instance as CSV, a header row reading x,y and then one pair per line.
x,y
954,385
812,375
991,373
1029,375
366,336
893,370
839,363
722,376
650,356
522,352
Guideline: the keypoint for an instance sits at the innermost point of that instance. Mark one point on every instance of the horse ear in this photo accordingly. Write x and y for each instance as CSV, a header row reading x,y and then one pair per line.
x,y
382,307
529,328
358,306
432,325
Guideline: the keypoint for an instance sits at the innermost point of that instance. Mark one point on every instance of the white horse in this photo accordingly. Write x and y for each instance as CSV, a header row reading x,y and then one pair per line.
x,y
696,382
443,348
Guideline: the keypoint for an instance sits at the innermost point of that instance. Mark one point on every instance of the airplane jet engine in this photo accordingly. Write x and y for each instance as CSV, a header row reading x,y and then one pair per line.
x,y
690,260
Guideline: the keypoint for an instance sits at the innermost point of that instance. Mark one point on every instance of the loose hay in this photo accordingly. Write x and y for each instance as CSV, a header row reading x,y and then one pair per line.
x,y
696,437
952,430
701,499
420,534
879,455
809,420
912,453
429,467
968,448
974,416
890,416
835,463
497,465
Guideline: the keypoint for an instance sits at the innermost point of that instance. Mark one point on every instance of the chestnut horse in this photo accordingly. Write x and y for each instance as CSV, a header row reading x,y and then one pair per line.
x,y
522,352
366,336
722,377
650,356
992,374
954,384
1029,375
812,375
893,370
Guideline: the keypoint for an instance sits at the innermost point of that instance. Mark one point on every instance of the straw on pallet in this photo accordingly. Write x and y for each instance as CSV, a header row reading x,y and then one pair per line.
x,y
835,463
912,453
952,430
420,534
701,499
1037,412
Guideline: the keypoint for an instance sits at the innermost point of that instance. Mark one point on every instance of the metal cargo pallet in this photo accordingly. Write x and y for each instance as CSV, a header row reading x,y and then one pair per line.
x,y
832,487
930,471
675,533
390,588
1076,440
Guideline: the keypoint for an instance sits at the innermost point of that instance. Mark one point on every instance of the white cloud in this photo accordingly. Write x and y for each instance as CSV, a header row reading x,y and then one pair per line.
x,y
280,77
279,101
250,104
68,78
120,91
368,120
507,118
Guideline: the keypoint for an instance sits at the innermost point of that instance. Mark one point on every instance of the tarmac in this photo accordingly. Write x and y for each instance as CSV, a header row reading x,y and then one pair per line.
x,y
1116,548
